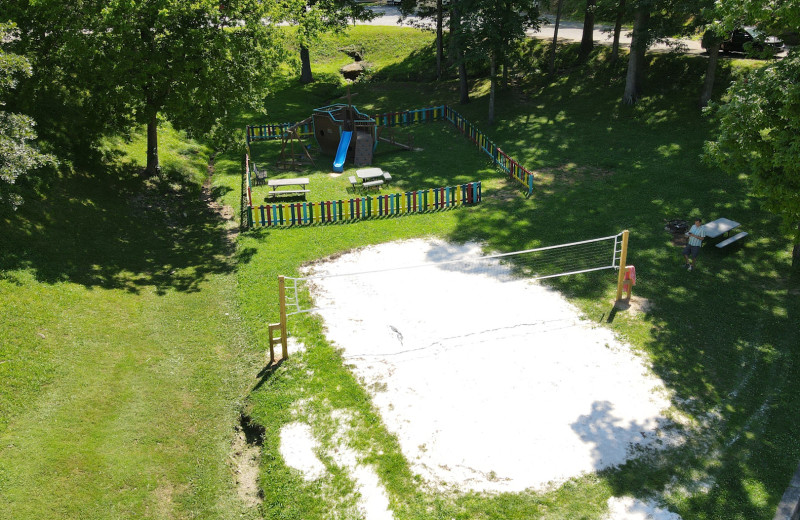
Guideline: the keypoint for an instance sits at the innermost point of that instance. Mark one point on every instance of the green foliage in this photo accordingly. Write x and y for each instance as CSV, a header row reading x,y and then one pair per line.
x,y
192,63
759,135
18,156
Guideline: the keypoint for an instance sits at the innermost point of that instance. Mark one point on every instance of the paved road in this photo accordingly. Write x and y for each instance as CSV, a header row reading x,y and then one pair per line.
x,y
567,31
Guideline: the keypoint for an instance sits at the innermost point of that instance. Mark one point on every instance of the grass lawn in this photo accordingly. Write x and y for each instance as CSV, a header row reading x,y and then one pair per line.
x,y
134,334
722,338
123,360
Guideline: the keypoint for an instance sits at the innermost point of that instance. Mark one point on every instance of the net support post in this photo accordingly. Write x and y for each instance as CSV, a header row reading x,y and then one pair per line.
x,y
623,256
278,331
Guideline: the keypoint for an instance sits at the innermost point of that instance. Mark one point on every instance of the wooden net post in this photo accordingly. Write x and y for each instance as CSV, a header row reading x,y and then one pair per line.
x,y
279,328
622,259
284,333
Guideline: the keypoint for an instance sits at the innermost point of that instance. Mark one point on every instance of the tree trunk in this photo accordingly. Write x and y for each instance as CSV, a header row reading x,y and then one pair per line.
x,y
711,70
305,66
462,81
439,43
587,41
492,85
552,66
458,54
633,81
796,253
152,168
452,51
617,31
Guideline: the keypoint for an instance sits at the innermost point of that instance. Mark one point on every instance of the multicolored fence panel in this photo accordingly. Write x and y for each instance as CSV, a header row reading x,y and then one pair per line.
x,y
410,117
390,205
501,159
276,131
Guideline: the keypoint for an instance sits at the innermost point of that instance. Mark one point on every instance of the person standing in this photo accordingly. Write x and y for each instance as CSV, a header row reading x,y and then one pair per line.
x,y
696,234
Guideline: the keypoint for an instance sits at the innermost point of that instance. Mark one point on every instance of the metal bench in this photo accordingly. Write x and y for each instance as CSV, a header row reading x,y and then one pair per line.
x,y
731,240
261,176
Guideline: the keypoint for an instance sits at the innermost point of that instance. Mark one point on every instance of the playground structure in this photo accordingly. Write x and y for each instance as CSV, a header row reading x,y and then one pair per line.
x,y
387,120
345,133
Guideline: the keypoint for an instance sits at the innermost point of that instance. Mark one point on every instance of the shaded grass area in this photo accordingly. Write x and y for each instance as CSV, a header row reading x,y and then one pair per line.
x,y
724,338
123,357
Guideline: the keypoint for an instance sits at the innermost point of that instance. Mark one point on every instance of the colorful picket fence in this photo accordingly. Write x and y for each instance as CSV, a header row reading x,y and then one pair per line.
x,y
410,117
395,204
276,131
500,159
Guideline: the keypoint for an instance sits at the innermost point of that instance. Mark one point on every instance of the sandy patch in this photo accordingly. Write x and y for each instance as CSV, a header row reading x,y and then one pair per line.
x,y
627,508
298,447
490,383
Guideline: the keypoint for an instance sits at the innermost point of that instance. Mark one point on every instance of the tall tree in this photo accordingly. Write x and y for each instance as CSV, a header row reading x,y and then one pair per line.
x,y
141,61
759,134
759,118
18,155
636,59
552,62
619,16
587,39
495,27
316,17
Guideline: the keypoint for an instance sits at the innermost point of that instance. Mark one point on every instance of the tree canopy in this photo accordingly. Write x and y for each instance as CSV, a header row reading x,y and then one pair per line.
x,y
18,155
759,135
134,61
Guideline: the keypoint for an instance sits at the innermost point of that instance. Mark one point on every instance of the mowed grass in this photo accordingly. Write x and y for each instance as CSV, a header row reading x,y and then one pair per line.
x,y
724,338
122,358
132,332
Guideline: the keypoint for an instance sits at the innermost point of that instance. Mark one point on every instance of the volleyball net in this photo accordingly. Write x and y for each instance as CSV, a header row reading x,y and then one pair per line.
x,y
532,264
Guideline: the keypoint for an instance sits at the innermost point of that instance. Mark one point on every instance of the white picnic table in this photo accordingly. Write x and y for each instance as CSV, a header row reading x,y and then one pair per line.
x,y
369,173
300,182
719,227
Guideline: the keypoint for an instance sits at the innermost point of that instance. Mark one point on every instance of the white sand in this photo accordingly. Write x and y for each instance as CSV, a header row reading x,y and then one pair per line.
x,y
489,383
627,508
298,446
297,449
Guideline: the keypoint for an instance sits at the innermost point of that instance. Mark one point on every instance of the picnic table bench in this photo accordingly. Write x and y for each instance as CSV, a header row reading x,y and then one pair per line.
x,y
370,177
301,182
721,226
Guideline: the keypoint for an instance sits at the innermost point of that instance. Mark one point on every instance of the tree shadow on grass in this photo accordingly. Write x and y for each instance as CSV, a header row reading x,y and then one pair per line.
x,y
115,229
723,338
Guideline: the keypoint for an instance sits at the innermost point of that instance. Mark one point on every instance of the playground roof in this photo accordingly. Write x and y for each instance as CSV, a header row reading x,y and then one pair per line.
x,y
334,110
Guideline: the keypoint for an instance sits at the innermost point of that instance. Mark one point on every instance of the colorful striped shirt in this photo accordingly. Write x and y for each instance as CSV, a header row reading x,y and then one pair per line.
x,y
699,231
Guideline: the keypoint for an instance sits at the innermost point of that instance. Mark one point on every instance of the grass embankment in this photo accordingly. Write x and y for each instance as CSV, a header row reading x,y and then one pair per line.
x,y
724,338
122,357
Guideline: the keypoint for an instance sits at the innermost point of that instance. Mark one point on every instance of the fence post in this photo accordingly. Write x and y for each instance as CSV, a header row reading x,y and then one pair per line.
x,y
622,258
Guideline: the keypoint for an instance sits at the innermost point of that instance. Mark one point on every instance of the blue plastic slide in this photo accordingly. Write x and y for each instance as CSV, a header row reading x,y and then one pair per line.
x,y
341,153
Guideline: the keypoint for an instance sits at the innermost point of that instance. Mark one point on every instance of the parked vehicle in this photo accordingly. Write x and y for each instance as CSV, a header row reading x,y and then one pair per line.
x,y
750,39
